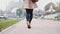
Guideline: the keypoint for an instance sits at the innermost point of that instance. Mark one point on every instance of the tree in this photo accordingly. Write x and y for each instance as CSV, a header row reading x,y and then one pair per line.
x,y
1,12
19,12
47,7
59,6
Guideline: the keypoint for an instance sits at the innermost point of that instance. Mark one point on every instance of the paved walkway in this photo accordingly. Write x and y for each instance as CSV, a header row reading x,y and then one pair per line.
x,y
38,27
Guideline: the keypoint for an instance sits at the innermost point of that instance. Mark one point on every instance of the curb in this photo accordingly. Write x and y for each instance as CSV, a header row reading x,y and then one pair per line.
x,y
7,29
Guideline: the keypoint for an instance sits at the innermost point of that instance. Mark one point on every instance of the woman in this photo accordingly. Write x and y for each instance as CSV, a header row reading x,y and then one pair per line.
x,y
28,5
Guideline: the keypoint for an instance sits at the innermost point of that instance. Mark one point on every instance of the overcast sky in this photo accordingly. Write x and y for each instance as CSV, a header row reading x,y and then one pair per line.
x,y
41,3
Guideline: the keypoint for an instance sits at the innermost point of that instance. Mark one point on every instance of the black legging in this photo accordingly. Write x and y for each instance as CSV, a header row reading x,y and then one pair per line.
x,y
29,14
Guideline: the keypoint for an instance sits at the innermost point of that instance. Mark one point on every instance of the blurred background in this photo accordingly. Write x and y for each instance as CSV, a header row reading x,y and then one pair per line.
x,y
12,9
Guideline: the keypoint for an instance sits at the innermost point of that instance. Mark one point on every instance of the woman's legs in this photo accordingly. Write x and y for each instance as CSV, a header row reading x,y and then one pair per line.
x,y
29,16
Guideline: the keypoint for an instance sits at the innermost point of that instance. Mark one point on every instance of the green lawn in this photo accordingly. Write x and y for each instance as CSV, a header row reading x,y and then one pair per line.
x,y
6,23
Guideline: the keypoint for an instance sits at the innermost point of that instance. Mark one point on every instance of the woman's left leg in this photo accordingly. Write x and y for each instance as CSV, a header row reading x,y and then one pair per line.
x,y
31,15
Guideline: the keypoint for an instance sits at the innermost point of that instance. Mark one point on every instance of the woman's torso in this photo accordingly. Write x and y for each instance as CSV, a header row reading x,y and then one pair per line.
x,y
28,4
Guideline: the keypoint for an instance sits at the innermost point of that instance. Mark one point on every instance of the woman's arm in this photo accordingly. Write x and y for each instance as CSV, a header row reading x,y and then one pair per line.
x,y
35,5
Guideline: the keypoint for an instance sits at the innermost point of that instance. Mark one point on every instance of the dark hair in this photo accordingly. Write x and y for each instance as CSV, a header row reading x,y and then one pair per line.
x,y
34,1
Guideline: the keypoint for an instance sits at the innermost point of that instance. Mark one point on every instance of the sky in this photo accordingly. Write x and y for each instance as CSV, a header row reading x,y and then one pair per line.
x,y
41,3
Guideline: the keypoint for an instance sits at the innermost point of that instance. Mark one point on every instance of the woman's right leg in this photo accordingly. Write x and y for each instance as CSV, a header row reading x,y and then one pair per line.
x,y
27,15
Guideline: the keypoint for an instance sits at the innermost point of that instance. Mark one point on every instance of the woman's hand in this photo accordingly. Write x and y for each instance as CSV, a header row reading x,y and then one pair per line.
x,y
23,0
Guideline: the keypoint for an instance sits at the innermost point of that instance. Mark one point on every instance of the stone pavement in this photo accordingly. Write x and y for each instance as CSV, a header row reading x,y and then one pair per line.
x,y
39,26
